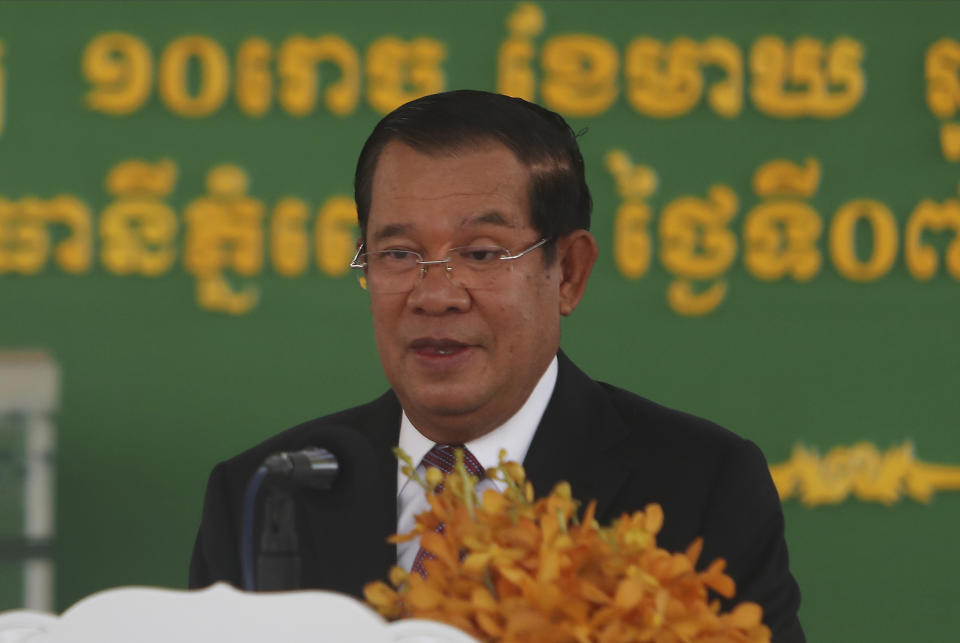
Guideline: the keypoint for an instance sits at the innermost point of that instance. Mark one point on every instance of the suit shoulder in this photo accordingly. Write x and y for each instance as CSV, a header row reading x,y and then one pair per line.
x,y
650,421
691,461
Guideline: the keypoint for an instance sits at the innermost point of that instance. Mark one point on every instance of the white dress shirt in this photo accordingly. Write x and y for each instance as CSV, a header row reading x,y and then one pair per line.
x,y
514,435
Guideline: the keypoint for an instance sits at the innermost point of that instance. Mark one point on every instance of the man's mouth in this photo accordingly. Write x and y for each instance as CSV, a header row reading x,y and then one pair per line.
x,y
437,347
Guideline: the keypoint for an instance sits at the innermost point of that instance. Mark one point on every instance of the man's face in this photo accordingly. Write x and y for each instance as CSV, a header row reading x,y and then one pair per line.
x,y
461,361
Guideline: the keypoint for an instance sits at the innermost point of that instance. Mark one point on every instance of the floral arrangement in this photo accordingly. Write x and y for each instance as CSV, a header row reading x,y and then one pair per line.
x,y
509,567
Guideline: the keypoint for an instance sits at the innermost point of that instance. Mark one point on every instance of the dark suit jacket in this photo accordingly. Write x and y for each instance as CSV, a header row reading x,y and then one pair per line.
x,y
611,445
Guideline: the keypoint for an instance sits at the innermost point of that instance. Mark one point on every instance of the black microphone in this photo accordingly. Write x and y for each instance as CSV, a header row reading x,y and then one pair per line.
x,y
336,465
360,468
311,466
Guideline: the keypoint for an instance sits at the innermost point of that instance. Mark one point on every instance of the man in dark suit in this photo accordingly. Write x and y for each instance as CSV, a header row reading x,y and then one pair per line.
x,y
474,216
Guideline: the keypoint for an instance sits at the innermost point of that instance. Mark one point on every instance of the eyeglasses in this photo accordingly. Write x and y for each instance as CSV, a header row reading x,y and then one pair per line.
x,y
472,267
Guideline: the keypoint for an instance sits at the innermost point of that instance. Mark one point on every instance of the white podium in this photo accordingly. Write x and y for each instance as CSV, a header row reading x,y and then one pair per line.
x,y
218,613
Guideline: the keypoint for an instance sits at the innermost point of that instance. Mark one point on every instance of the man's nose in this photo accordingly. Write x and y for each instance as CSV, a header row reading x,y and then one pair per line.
x,y
436,293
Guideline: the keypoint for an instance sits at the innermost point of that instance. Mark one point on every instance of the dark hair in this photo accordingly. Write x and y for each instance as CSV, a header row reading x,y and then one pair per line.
x,y
541,140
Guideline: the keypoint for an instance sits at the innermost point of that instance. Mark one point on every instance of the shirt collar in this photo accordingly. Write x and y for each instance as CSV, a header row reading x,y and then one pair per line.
x,y
514,435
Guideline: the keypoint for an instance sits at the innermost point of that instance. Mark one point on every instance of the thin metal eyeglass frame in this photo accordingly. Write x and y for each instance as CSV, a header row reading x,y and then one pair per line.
x,y
448,268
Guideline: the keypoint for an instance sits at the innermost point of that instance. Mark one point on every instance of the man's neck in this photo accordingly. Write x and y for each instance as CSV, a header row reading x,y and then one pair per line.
x,y
466,426
514,435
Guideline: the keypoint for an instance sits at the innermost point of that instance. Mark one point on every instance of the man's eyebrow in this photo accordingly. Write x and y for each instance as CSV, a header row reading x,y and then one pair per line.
x,y
490,217
392,230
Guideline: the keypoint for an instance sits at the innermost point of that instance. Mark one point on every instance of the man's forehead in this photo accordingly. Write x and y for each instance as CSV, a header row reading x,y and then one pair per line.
x,y
470,187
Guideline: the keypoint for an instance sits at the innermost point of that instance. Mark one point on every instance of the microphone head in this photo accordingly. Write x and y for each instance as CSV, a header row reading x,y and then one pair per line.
x,y
332,457
309,467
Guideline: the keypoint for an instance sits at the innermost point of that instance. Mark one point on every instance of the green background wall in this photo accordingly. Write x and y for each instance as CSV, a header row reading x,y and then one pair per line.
x,y
156,389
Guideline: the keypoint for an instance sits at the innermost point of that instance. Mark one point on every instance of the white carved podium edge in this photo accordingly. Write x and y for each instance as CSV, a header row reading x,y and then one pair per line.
x,y
218,613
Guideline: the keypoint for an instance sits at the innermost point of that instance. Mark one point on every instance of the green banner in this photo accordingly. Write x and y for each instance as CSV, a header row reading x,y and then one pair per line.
x,y
776,204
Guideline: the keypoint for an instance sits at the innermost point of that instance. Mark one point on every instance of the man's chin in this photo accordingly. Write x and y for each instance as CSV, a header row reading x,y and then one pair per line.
x,y
443,408
447,405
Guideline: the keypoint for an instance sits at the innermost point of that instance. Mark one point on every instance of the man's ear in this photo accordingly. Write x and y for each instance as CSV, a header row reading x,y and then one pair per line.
x,y
576,254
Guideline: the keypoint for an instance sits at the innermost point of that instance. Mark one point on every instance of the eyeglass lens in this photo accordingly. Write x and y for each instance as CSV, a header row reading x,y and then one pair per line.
x,y
474,267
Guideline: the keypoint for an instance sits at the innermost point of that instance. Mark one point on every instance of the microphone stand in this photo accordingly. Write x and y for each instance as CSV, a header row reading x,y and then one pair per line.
x,y
278,562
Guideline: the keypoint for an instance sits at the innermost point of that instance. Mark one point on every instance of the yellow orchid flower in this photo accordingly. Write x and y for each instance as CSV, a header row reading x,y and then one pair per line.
x,y
512,568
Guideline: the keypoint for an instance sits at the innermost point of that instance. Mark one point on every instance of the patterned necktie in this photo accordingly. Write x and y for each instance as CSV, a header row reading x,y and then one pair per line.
x,y
443,457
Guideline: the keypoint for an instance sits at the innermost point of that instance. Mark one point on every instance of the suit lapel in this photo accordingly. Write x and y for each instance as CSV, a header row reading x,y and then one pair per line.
x,y
577,441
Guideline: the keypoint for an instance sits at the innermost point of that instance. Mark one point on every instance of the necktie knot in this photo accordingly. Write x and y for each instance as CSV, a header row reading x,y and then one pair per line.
x,y
443,457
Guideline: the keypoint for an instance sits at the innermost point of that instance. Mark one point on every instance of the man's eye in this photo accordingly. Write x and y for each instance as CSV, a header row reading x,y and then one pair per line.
x,y
395,257
477,255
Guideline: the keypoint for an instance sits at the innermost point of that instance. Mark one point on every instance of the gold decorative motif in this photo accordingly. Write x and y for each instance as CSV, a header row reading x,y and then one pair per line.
x,y
808,78
780,234
634,182
631,234
943,85
696,244
119,68
943,92
254,82
335,235
297,64
931,217
863,472
843,242
515,75
138,230
580,74
400,71
172,77
26,240
950,141
224,232
666,80
142,177
782,177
